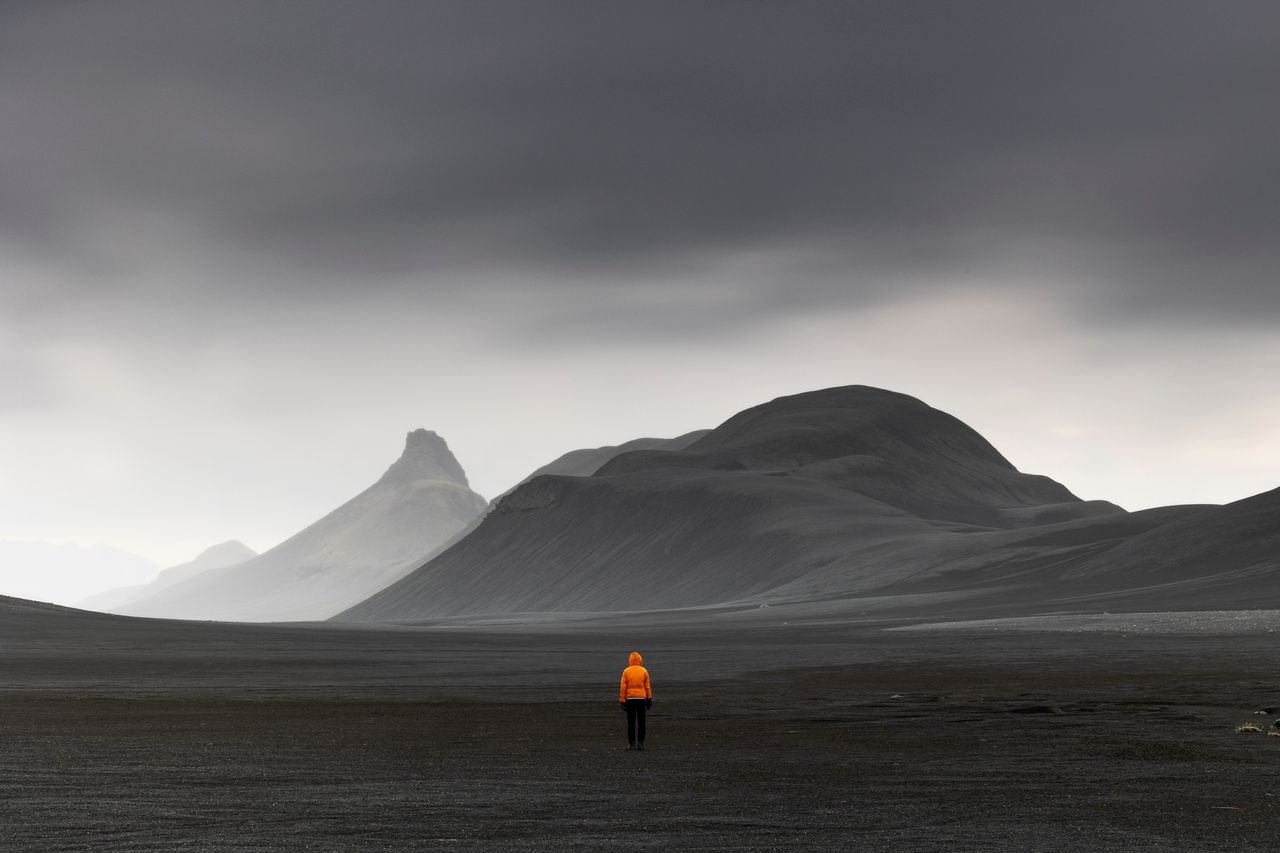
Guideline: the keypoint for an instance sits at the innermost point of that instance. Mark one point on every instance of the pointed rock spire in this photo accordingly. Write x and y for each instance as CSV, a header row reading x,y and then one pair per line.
x,y
426,457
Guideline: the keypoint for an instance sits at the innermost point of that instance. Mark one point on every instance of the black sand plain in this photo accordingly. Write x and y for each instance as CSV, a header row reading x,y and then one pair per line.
x,y
768,733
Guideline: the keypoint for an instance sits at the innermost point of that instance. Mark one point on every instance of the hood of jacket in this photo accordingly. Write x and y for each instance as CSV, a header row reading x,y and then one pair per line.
x,y
634,659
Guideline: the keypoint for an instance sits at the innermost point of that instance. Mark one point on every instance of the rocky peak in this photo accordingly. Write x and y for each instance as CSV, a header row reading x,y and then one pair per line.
x,y
426,457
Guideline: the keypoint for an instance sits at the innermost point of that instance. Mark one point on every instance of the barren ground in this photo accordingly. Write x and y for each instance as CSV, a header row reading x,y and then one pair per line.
x,y
160,736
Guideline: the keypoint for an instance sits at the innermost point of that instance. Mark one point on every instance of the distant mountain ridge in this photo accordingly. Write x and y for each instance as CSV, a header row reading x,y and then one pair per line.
x,y
843,500
849,487
214,557
421,501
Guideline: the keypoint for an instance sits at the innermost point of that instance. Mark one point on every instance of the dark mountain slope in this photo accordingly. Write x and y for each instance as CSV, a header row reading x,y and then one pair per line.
x,y
1219,557
833,484
587,461
879,444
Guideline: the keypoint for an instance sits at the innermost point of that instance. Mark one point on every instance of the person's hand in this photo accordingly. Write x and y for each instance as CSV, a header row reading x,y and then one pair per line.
x,y
648,703
622,705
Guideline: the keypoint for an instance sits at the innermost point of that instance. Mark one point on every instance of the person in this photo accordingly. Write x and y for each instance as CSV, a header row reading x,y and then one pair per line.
x,y
635,696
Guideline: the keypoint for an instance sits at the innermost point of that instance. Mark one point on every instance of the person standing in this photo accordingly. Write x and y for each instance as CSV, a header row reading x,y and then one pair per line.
x,y
635,696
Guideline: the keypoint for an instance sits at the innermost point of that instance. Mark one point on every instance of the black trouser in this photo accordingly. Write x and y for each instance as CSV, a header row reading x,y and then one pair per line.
x,y
635,720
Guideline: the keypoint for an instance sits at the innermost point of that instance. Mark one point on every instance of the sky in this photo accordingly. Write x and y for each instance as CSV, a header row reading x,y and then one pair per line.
x,y
246,246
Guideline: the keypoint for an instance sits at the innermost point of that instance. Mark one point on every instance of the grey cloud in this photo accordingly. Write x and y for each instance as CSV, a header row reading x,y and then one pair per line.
x,y
26,383
597,140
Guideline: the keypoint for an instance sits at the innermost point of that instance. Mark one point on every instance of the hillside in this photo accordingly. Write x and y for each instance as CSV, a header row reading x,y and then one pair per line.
x,y
587,461
1216,557
844,490
392,527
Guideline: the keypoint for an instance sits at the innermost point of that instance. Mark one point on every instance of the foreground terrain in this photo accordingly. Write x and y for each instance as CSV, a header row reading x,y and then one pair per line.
x,y
1112,733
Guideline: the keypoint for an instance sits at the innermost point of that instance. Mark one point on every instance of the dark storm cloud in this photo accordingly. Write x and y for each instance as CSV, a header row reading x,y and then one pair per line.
x,y
596,140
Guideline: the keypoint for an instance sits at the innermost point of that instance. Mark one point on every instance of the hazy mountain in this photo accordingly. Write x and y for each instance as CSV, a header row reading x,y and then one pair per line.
x,y
67,573
830,492
215,557
370,541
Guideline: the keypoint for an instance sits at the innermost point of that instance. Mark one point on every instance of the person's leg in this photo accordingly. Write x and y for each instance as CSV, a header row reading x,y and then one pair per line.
x,y
631,722
640,722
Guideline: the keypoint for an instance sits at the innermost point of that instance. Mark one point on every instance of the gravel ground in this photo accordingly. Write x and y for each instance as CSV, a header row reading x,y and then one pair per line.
x,y
764,738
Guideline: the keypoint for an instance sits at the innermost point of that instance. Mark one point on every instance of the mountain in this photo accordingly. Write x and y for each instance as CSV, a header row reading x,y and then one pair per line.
x,y
387,530
833,492
880,444
1214,557
579,463
65,574
585,462
215,557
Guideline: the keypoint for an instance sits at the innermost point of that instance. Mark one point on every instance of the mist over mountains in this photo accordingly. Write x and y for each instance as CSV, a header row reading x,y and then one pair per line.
x,y
44,571
214,557
421,501
844,499
832,497
415,509
833,487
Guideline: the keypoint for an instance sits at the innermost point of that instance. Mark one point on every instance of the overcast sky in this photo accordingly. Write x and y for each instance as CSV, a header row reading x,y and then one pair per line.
x,y
245,245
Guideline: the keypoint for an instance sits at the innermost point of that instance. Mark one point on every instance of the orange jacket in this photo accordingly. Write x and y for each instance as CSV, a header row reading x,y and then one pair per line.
x,y
635,680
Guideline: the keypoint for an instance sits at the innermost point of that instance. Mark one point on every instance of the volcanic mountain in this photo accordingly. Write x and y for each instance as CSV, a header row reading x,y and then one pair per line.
x,y
359,548
833,492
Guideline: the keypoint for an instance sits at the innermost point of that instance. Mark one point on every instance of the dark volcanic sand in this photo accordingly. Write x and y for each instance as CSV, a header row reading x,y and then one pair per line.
x,y
161,736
